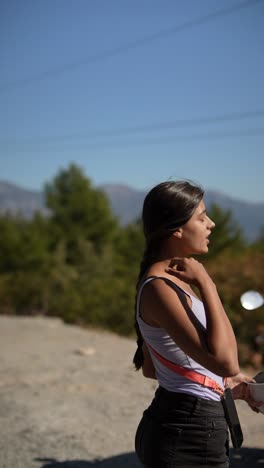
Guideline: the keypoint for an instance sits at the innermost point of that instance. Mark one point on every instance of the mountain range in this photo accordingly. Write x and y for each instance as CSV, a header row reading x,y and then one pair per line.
x,y
126,203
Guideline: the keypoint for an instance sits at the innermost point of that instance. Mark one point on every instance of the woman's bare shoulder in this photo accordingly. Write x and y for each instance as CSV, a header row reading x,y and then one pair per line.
x,y
154,297
160,295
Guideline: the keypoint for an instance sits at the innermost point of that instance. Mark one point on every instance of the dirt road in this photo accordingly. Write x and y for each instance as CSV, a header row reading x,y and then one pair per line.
x,y
69,398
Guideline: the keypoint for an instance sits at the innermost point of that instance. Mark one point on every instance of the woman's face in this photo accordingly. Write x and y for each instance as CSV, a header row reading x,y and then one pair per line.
x,y
194,234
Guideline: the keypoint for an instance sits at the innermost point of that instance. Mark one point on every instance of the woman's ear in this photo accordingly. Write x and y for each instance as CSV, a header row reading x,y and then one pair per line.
x,y
178,233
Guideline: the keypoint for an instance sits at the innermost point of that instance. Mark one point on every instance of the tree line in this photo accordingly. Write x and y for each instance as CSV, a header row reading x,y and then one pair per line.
x,y
80,264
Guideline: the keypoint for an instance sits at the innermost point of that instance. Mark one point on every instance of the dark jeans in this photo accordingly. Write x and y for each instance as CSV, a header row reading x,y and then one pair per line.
x,y
180,430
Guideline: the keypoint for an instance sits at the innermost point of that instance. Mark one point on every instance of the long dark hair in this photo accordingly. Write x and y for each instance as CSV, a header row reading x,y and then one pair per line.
x,y
168,206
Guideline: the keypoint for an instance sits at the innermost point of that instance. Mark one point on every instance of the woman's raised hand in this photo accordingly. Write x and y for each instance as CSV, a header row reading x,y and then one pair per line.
x,y
187,269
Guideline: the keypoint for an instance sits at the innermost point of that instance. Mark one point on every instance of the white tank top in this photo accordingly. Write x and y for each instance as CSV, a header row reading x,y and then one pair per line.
x,y
159,339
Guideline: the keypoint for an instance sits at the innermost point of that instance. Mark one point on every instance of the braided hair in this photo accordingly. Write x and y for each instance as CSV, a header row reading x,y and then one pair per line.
x,y
147,260
168,206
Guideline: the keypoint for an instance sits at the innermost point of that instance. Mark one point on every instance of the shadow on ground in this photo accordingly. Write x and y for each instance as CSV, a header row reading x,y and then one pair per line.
x,y
125,460
247,458
243,458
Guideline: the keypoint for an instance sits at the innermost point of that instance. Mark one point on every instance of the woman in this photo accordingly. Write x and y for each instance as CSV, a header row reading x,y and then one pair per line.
x,y
185,424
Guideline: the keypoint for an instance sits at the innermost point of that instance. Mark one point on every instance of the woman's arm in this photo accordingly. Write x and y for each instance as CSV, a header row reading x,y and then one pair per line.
x,y
215,348
220,334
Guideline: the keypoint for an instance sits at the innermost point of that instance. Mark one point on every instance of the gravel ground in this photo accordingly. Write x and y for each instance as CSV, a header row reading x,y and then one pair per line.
x,y
69,398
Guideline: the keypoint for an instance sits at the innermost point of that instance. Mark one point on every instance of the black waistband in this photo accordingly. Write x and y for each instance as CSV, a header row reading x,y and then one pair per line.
x,y
167,400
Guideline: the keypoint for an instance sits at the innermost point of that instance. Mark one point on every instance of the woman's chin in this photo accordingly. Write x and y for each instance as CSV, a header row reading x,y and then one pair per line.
x,y
204,250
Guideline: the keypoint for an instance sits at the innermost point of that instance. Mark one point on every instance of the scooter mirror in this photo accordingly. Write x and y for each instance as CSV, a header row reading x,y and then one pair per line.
x,y
251,300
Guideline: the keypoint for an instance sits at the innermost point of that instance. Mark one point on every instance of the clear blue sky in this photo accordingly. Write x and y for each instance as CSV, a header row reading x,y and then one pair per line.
x,y
134,92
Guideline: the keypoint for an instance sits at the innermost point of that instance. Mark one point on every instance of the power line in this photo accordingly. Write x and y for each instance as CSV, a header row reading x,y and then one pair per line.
x,y
161,126
129,46
251,132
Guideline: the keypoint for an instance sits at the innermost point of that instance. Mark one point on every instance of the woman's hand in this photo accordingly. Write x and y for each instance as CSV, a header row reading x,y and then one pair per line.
x,y
241,391
188,269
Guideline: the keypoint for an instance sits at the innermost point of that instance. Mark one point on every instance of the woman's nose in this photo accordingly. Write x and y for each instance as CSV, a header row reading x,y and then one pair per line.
x,y
211,223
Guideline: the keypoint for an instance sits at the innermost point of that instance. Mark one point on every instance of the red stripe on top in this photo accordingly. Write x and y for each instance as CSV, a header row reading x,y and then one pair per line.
x,y
189,374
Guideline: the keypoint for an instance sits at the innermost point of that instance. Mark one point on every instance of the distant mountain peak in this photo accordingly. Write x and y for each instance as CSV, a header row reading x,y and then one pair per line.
x,y
15,199
119,188
126,203
219,195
